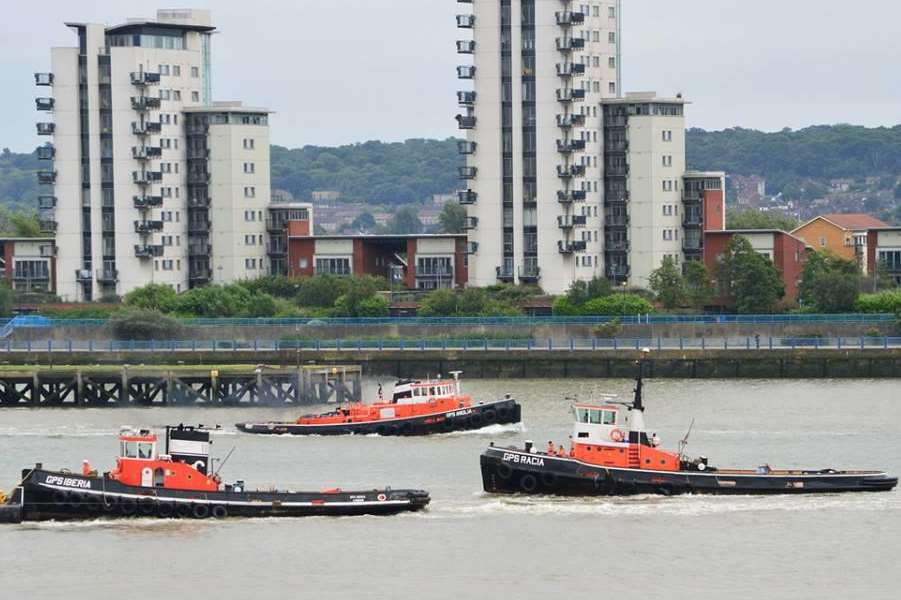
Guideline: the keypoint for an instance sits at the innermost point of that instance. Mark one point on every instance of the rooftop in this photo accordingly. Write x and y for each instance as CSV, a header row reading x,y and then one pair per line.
x,y
850,221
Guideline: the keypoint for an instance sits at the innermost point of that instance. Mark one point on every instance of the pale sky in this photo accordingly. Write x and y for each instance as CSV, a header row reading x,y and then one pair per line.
x,y
341,71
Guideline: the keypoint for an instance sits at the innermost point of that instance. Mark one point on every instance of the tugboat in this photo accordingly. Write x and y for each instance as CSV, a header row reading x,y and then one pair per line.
x,y
612,455
417,407
180,484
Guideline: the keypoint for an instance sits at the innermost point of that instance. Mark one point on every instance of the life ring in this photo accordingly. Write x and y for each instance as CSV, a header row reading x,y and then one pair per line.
x,y
382,497
200,511
489,416
528,483
617,435
219,512
504,471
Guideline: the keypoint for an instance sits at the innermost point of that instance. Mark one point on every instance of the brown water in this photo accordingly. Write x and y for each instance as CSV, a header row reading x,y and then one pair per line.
x,y
470,545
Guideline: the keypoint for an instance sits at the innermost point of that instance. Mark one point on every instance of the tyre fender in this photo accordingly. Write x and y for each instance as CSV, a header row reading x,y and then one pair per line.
x,y
504,471
200,511
489,416
528,483
219,512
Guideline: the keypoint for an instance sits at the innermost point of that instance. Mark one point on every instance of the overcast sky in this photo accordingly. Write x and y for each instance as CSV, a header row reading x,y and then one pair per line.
x,y
340,71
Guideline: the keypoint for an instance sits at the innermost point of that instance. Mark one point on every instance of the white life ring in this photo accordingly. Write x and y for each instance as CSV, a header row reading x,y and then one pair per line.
x,y
382,497
617,435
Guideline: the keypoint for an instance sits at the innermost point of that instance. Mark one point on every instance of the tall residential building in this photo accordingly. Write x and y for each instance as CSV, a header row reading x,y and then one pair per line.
x,y
151,180
532,179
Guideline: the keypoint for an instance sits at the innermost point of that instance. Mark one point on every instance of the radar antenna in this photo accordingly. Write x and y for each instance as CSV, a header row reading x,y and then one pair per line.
x,y
684,441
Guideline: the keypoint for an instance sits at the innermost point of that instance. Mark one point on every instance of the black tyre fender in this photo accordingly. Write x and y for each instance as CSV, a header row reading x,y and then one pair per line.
x,y
406,429
74,499
219,512
504,471
475,420
489,416
200,511
528,483
503,413
183,510
393,430
165,510
147,506
60,498
381,430
128,506
548,479
109,503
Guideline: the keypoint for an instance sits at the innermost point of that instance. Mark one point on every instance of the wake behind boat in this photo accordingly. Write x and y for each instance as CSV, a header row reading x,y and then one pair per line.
x,y
417,407
612,455
179,484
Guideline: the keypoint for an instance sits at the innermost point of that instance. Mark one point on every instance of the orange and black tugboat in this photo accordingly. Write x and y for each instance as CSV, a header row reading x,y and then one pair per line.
x,y
416,408
180,484
612,455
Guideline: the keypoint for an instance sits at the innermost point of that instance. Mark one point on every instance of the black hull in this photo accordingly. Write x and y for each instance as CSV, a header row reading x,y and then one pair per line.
x,y
513,471
48,495
475,417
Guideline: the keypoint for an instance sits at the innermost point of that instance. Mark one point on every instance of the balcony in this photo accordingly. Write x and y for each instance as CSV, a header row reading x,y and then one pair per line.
x,y
613,220
45,104
438,272
568,222
529,272
45,152
467,172
197,128
568,121
569,44
46,177
148,250
198,178
466,21
569,18
570,247
466,122
146,177
466,71
148,227
616,121
46,202
146,152
566,172
570,69
616,197
146,128
472,247
464,147
144,103
46,128
47,226
107,275
83,275
276,225
616,146
616,245
504,273
567,146
466,98
570,95
616,170
142,78
199,275
276,249
689,195
467,197
617,272
43,78
466,46
570,196
198,153
692,244
692,220
198,226
203,249
145,202
199,202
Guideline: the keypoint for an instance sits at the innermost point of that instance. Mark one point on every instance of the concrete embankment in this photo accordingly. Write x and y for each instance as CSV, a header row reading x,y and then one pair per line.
x,y
535,363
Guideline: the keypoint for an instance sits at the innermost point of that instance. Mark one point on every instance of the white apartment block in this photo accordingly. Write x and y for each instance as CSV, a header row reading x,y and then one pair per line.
x,y
131,184
532,180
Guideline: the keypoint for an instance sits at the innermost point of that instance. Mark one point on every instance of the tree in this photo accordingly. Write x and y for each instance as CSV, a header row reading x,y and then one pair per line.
x,y
667,284
749,278
357,300
471,302
452,218
153,296
580,291
141,324
405,221
364,222
698,287
829,284
321,290
7,296
755,219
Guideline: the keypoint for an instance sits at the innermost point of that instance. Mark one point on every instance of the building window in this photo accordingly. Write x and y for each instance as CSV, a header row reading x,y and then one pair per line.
x,y
333,266
168,264
195,96
176,95
611,37
195,72
667,234
249,167
667,160
611,12
248,143
611,87
164,69
250,192
611,62
176,71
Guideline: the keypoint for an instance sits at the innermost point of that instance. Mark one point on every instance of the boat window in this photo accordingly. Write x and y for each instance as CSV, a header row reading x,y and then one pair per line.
x,y
582,415
145,450
433,391
595,417
131,450
609,417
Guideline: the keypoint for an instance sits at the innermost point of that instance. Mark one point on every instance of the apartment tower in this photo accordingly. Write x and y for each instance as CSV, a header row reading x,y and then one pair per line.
x,y
149,179
531,111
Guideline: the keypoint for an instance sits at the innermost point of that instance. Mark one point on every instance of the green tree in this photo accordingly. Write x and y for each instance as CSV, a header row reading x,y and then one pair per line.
x,y
141,324
829,284
755,219
749,278
452,218
667,284
405,221
471,302
580,292
7,297
357,300
215,301
881,302
364,222
698,287
153,296
321,290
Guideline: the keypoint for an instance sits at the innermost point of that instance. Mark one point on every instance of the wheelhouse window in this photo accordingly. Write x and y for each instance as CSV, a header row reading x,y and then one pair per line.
x,y
145,450
130,449
609,417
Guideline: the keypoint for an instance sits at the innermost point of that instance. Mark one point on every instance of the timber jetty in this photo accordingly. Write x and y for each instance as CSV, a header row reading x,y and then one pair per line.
x,y
181,385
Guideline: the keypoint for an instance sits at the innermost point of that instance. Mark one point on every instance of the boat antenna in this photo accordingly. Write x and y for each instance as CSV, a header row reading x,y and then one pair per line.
x,y
684,441
637,402
224,460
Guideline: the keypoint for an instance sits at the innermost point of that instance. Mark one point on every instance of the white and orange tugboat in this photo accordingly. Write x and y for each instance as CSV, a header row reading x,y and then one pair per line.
x,y
612,455
179,483
416,408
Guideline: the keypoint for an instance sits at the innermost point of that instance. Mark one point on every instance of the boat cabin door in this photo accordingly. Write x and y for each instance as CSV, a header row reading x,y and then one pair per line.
x,y
146,477
159,479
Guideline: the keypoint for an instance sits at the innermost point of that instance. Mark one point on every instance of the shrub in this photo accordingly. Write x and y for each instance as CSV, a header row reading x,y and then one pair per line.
x,y
153,296
610,329
6,299
562,307
881,302
618,304
141,324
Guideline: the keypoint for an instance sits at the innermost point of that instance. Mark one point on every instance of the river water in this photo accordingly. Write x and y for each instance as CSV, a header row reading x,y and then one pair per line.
x,y
471,545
